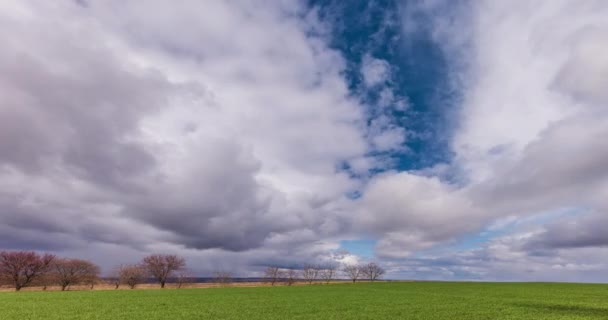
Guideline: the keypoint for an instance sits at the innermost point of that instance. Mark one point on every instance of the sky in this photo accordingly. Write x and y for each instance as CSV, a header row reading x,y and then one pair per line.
x,y
447,140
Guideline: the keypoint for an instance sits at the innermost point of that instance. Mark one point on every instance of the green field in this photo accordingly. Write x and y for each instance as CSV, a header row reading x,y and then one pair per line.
x,y
404,300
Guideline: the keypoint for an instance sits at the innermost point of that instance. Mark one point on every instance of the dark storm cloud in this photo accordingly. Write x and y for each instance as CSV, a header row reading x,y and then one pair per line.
x,y
24,239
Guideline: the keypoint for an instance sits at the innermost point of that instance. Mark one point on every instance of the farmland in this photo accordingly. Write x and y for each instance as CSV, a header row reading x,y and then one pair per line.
x,y
384,300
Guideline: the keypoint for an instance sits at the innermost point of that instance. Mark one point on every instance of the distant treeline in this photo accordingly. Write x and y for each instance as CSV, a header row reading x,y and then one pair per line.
x,y
21,269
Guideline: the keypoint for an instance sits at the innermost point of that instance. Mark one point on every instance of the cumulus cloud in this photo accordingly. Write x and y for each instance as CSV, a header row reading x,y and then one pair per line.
x,y
203,126
411,212
529,139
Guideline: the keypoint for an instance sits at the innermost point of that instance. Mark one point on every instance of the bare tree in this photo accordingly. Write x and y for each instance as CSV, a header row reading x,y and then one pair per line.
x,y
223,277
45,280
131,275
73,271
310,273
23,267
162,266
353,272
290,275
92,281
272,274
184,276
372,271
328,272
114,277
116,282
4,281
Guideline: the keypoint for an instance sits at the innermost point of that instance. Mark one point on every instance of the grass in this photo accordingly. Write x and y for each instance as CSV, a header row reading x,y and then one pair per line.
x,y
403,300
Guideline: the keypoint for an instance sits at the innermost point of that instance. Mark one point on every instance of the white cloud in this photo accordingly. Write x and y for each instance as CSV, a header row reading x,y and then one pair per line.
x,y
529,138
375,71
410,212
209,126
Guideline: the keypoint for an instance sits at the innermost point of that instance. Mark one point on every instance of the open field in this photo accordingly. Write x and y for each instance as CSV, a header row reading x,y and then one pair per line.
x,y
389,300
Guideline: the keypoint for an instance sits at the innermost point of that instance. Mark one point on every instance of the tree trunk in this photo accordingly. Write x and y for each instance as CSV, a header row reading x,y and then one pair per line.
x,y
162,284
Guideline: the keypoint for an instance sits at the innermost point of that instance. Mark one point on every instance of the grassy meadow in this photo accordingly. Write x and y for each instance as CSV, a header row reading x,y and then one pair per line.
x,y
383,300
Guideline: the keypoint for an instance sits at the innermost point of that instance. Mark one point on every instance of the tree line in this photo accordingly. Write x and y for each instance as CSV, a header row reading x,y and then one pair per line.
x,y
21,269
325,273
27,268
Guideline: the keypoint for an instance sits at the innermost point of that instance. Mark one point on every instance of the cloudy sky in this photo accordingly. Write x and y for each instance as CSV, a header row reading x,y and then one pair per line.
x,y
455,140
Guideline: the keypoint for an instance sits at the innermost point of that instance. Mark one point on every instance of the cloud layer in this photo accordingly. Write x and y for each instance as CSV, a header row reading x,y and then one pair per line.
x,y
226,132
203,126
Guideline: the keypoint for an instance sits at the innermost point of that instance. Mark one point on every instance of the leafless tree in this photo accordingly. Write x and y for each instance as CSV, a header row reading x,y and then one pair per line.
x,y
131,275
91,282
116,282
114,276
184,276
73,271
310,273
353,272
4,281
21,268
290,275
328,273
223,277
272,274
162,266
45,280
372,271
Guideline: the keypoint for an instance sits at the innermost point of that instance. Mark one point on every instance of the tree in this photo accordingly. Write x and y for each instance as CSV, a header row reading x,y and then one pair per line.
x,y
23,267
223,277
310,273
91,280
328,273
372,271
272,274
74,271
162,266
45,280
291,276
353,272
184,276
131,275
114,276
